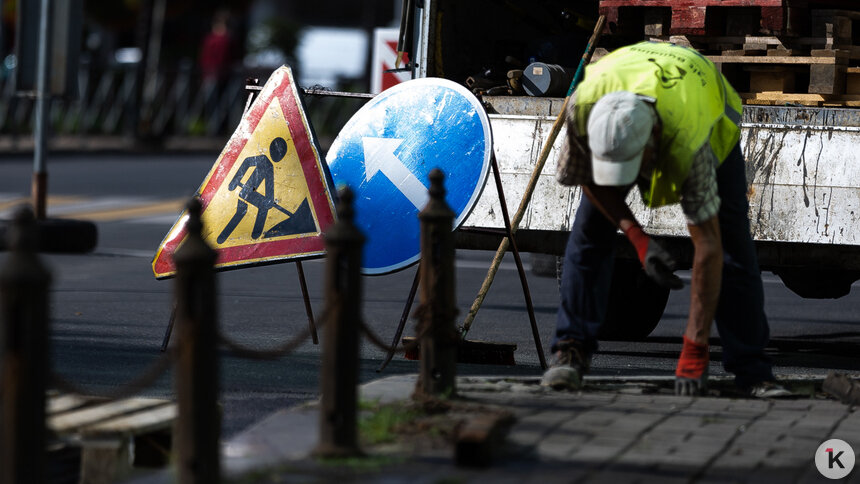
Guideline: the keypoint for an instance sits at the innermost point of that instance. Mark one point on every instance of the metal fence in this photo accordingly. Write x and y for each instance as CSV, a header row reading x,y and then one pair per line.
x,y
26,372
176,102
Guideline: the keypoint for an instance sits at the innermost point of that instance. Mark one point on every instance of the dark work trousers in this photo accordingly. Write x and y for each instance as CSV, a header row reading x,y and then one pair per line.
x,y
741,322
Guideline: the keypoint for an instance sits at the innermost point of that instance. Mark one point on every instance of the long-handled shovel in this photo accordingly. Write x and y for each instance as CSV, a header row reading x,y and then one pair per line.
x,y
544,154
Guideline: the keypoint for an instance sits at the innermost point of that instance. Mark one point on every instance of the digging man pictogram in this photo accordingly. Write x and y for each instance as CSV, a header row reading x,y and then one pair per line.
x,y
263,174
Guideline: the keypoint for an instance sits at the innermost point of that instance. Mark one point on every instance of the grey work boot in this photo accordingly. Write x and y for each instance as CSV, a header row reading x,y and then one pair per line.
x,y
567,367
768,389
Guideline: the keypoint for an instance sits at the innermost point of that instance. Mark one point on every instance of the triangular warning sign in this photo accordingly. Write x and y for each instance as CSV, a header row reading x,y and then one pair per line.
x,y
268,197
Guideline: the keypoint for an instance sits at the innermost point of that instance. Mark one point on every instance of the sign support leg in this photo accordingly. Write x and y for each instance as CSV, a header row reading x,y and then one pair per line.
x,y
169,330
308,309
522,273
403,318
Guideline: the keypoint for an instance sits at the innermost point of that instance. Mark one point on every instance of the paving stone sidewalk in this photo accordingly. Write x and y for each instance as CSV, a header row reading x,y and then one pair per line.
x,y
614,431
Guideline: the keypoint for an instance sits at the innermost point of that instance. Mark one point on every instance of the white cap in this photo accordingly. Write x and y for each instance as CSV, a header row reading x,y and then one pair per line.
x,y
619,127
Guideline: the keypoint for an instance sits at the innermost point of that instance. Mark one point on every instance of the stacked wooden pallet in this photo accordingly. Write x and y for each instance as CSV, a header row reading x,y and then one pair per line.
x,y
773,51
98,441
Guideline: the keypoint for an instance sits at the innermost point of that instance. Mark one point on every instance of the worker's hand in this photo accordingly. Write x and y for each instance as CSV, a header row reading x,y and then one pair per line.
x,y
685,387
691,375
660,266
657,262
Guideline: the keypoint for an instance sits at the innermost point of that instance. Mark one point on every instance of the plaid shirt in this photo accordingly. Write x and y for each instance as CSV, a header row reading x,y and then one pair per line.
x,y
699,197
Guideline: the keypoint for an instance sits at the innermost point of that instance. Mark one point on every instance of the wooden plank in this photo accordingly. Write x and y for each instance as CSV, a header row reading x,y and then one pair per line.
x,y
64,423
689,16
697,3
772,80
827,79
689,20
743,52
823,12
64,403
766,59
147,421
840,54
852,80
774,99
783,52
784,97
657,22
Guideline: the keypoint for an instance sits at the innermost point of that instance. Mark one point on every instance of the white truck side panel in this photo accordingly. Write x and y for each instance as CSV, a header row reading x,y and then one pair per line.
x,y
805,183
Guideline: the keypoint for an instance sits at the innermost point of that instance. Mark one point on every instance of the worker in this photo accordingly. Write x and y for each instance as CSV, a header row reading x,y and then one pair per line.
x,y
662,117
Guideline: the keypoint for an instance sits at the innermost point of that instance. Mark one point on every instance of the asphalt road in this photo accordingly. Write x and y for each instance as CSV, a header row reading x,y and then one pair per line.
x,y
109,313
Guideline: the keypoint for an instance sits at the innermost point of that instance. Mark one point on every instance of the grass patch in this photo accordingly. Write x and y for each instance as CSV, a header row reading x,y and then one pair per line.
x,y
379,423
367,463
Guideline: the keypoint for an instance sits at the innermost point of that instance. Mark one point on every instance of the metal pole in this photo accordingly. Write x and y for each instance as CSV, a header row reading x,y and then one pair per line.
x,y
198,427
150,77
437,333
339,371
24,285
43,103
523,281
143,32
312,328
2,32
403,318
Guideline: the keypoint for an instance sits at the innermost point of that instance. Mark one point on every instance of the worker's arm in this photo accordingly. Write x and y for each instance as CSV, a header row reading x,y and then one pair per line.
x,y
658,264
707,277
610,201
237,178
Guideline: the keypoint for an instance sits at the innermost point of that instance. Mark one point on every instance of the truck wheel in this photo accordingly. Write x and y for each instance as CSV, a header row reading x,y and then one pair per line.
x,y
814,283
636,304
544,265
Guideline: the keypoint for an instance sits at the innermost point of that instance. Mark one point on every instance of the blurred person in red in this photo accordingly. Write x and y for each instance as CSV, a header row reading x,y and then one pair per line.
x,y
216,52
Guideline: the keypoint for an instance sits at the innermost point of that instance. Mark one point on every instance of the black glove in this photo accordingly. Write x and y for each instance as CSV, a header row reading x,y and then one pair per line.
x,y
660,266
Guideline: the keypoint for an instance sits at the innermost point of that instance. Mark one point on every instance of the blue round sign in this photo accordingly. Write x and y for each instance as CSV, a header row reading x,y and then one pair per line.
x,y
386,152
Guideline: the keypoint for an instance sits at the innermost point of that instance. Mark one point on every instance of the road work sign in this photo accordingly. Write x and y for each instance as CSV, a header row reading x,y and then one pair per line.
x,y
385,154
268,197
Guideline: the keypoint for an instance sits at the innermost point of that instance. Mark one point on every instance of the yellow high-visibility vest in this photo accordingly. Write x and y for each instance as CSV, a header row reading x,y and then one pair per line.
x,y
695,103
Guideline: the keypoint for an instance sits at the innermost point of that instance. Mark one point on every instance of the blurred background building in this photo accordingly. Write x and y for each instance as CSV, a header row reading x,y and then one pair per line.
x,y
152,69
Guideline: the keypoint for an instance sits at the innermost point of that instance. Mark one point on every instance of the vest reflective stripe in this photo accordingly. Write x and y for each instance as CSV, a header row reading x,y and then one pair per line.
x,y
730,112
695,103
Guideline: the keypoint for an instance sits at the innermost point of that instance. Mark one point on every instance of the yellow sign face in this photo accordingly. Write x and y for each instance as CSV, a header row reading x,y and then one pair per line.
x,y
265,196
268,196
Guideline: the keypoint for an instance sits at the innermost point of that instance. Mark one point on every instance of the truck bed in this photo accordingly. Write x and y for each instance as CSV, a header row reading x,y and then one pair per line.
x,y
802,171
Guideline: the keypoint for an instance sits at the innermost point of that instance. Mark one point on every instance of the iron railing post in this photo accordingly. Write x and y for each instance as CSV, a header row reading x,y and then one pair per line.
x,y
198,425
24,283
339,371
437,333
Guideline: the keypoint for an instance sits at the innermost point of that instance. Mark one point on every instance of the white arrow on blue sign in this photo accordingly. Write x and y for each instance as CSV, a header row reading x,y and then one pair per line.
x,y
385,154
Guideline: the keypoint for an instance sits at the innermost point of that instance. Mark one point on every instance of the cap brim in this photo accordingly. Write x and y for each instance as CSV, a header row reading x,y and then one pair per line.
x,y
615,172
